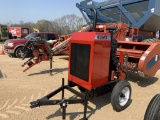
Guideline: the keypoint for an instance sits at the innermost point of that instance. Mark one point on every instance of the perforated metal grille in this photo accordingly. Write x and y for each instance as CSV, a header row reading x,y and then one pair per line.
x,y
80,58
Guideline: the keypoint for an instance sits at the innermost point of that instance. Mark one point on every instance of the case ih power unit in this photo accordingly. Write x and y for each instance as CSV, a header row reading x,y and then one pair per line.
x,y
96,69
89,59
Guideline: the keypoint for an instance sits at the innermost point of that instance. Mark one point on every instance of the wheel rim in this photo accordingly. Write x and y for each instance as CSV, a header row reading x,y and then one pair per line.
x,y
20,53
124,96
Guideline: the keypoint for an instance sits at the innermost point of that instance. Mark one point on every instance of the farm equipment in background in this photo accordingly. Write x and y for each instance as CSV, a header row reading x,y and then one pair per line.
x,y
3,32
35,30
100,58
18,32
61,47
37,44
135,31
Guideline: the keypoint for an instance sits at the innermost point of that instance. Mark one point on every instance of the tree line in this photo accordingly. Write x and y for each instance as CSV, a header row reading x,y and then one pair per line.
x,y
64,25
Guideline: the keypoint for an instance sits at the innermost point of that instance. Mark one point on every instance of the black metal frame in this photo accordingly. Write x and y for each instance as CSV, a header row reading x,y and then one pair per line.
x,y
63,102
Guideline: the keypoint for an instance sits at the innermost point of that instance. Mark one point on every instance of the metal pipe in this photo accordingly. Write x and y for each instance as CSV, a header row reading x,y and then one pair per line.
x,y
95,19
62,89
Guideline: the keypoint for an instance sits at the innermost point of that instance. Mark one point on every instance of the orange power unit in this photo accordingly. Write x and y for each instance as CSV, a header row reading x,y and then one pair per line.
x,y
89,59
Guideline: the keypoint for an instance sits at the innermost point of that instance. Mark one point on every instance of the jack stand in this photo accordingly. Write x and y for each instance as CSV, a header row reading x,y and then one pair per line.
x,y
27,62
51,59
85,105
63,102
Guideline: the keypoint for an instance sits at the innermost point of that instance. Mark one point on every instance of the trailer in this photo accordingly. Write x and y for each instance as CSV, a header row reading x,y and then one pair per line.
x,y
18,32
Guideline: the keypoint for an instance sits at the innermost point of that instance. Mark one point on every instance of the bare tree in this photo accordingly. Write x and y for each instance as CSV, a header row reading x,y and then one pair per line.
x,y
66,24
69,24
44,25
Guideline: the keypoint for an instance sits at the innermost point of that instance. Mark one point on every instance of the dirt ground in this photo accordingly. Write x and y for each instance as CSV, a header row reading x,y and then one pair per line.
x,y
18,89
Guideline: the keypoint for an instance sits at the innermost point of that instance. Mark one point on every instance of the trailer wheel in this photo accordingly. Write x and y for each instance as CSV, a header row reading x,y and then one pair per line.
x,y
121,96
153,109
19,52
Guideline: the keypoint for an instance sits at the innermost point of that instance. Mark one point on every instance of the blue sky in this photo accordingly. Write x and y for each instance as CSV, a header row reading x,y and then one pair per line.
x,y
13,11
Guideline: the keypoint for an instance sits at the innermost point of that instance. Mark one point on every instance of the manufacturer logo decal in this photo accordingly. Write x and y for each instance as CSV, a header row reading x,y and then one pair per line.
x,y
102,37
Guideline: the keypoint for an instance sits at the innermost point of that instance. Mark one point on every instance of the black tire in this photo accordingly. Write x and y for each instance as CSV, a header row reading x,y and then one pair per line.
x,y
19,52
153,109
121,96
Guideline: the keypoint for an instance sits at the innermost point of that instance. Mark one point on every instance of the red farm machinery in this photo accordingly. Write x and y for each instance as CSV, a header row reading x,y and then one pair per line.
x,y
120,36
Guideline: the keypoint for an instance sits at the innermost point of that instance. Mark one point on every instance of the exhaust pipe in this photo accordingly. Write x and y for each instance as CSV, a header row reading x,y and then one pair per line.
x,y
95,18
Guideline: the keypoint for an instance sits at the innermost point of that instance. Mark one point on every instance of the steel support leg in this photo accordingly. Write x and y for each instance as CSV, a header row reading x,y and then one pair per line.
x,y
85,105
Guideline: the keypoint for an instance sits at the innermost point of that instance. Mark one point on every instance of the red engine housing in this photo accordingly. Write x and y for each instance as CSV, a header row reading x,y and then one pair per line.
x,y
89,59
